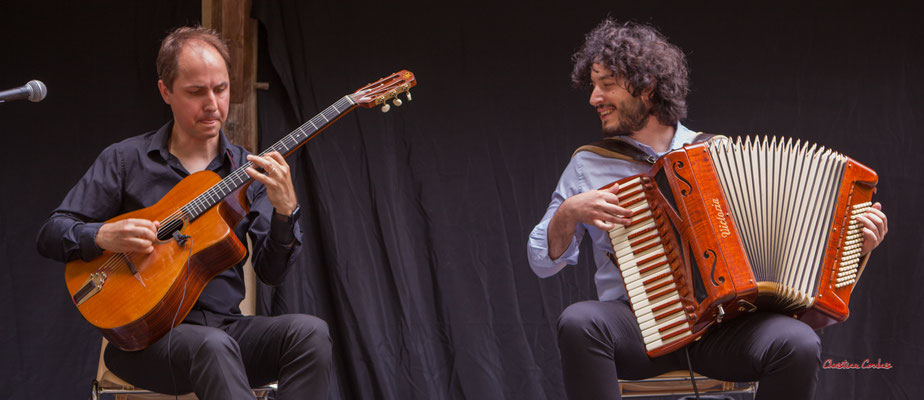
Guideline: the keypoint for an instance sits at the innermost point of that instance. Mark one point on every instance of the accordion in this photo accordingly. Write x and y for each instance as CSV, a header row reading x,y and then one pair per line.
x,y
722,228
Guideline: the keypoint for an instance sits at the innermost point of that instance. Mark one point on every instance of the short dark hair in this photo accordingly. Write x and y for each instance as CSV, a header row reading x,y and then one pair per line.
x,y
641,56
170,47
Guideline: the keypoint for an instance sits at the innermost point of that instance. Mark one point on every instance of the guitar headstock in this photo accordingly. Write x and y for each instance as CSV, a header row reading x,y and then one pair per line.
x,y
379,92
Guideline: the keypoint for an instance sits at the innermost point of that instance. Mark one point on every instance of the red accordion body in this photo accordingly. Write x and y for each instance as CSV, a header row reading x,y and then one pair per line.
x,y
723,228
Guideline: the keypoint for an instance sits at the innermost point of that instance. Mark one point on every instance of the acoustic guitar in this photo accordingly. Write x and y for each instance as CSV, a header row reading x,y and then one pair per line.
x,y
135,299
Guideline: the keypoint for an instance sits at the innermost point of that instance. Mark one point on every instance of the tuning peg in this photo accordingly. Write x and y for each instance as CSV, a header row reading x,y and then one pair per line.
x,y
408,95
385,108
397,102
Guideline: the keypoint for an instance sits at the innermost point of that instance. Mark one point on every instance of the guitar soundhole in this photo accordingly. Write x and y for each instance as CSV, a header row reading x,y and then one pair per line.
x,y
166,230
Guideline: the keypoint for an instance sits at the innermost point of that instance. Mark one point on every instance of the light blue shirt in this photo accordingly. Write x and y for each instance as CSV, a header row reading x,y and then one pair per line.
x,y
588,171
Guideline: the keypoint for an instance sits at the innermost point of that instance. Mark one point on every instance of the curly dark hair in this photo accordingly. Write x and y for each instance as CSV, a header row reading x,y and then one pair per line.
x,y
641,56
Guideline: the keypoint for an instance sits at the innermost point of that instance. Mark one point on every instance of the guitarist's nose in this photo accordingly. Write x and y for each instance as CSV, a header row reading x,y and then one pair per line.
x,y
211,104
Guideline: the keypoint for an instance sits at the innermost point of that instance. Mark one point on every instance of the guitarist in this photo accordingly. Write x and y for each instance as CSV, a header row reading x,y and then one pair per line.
x,y
215,352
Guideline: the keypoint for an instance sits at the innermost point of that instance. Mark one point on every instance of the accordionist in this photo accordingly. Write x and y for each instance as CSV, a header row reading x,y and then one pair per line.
x,y
638,84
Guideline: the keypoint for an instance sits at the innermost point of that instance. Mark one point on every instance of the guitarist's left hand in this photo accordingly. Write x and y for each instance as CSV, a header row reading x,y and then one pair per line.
x,y
278,182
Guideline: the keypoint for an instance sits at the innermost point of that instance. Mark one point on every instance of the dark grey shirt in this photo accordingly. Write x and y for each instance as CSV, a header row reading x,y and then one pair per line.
x,y
137,172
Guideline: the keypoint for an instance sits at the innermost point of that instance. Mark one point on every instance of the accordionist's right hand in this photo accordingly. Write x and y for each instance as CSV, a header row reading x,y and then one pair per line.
x,y
599,208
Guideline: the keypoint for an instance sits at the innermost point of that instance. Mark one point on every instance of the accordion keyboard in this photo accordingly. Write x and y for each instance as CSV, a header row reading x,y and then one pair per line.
x,y
642,256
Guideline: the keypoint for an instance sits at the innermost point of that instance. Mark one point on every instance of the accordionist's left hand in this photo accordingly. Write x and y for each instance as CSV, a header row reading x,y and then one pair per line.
x,y
875,227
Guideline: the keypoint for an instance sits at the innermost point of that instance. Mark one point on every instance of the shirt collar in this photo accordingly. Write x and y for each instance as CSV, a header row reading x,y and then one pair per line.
x,y
682,136
160,143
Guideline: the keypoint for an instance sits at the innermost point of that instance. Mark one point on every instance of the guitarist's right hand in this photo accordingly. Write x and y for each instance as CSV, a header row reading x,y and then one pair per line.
x,y
128,235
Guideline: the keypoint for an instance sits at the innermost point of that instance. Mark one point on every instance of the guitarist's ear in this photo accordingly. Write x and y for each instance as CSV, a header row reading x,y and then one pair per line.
x,y
164,91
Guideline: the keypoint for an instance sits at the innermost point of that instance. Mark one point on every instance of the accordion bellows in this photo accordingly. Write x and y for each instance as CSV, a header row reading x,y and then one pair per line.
x,y
724,227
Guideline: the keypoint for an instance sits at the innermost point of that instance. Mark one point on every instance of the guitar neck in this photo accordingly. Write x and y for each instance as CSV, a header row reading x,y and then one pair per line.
x,y
287,145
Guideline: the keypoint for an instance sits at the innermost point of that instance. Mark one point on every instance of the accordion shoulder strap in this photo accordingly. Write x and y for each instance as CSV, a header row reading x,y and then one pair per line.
x,y
614,147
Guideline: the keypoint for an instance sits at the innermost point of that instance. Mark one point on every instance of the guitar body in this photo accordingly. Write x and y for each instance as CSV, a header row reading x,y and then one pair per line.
x,y
133,310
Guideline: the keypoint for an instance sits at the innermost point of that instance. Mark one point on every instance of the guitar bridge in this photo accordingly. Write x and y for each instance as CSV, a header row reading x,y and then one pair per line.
x,y
91,287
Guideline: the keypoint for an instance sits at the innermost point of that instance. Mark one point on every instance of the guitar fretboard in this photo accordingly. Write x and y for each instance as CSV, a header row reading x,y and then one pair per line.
x,y
285,146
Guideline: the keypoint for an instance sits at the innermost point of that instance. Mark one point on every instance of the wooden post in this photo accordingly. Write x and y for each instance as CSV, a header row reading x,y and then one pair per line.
x,y
231,18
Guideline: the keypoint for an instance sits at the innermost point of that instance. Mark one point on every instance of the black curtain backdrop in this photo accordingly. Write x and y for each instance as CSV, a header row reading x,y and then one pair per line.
x,y
416,220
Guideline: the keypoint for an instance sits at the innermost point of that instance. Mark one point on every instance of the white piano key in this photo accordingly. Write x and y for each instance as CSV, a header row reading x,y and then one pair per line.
x,y
646,305
636,279
654,330
649,317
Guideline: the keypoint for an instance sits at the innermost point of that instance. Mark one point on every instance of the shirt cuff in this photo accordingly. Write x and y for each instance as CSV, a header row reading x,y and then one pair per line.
x,y
538,252
570,255
282,232
86,236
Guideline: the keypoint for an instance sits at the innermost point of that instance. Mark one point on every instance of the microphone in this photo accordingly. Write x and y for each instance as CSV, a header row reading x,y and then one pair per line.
x,y
33,90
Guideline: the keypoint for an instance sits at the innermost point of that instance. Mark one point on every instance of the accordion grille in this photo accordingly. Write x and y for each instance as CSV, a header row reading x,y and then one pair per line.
x,y
782,197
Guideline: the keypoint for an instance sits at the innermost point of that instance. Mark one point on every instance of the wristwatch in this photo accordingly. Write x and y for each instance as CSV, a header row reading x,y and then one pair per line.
x,y
288,218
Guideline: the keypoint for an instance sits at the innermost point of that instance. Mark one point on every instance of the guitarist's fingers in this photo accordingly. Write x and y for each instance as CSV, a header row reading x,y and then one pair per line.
x,y
279,188
138,245
257,176
276,176
269,165
133,234
145,233
280,160
144,223
267,177
281,169
140,228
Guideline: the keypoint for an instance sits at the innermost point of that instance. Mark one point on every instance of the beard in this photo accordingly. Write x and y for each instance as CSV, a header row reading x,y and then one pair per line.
x,y
633,115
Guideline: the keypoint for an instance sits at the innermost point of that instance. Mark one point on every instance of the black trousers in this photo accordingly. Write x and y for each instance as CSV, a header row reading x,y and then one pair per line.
x,y
221,357
600,342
